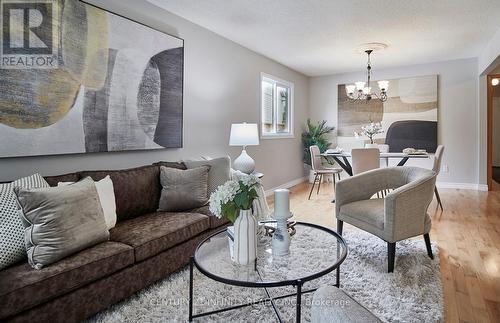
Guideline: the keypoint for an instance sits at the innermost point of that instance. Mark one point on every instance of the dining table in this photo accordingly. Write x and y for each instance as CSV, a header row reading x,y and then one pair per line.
x,y
342,158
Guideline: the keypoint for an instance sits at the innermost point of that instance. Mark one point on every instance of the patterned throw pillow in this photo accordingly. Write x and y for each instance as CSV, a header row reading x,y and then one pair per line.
x,y
219,173
12,246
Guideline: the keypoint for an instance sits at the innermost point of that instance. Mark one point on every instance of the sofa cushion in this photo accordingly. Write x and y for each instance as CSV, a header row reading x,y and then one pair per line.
x,y
53,180
24,287
370,212
153,233
137,190
215,222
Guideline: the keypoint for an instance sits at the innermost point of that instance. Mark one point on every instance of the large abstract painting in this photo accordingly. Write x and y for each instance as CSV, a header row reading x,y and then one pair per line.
x,y
109,83
408,117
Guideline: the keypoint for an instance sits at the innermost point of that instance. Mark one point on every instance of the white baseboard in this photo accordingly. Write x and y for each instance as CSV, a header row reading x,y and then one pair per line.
x,y
463,186
460,186
287,185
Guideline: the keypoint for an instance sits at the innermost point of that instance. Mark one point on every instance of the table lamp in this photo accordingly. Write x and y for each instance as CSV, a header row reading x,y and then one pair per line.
x,y
244,134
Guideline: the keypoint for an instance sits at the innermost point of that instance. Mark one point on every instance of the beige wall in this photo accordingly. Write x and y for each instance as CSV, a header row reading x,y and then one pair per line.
x,y
221,86
457,113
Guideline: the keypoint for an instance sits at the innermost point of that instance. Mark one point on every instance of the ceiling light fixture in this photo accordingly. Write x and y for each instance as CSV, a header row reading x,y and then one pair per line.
x,y
495,82
362,91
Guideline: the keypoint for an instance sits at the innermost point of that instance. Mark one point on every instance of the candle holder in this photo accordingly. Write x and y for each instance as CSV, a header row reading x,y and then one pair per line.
x,y
281,237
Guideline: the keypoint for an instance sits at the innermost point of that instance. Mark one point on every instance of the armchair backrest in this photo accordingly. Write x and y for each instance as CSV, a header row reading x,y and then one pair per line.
x,y
437,159
315,157
365,159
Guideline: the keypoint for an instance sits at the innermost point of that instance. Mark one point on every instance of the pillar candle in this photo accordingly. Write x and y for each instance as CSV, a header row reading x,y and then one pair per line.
x,y
281,203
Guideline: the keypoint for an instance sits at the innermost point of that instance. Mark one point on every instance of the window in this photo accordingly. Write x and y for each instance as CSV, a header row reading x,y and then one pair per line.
x,y
276,107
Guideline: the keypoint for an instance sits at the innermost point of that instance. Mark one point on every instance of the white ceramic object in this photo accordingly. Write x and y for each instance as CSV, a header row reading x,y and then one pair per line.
x,y
231,247
245,238
244,163
281,237
371,145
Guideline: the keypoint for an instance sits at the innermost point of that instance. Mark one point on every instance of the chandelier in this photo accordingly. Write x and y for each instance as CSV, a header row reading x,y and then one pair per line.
x,y
362,91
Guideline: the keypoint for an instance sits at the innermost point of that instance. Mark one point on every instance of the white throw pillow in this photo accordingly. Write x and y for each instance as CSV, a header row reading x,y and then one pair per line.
x,y
106,197
12,246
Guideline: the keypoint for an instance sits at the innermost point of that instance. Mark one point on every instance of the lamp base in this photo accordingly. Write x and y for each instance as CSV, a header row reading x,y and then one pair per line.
x,y
244,163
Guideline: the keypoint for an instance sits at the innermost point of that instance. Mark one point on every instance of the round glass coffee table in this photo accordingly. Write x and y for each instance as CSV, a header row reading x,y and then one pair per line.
x,y
311,243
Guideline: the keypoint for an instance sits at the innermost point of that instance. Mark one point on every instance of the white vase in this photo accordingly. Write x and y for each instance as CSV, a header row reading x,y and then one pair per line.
x,y
371,145
245,238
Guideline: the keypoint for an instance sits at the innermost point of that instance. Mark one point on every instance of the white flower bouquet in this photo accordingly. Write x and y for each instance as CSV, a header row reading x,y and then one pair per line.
x,y
233,196
370,130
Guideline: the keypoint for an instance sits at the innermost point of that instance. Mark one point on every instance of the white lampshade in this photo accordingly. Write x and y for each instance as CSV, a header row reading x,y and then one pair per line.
x,y
367,90
244,134
383,85
360,85
350,89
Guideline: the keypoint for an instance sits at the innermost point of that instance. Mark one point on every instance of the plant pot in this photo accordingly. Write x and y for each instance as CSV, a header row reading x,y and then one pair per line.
x,y
245,238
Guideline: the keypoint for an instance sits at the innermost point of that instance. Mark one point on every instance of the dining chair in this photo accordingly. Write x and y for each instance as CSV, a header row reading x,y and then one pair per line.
x,y
402,214
320,170
436,168
365,159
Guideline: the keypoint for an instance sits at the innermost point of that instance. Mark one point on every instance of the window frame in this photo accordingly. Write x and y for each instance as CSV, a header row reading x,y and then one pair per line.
x,y
277,82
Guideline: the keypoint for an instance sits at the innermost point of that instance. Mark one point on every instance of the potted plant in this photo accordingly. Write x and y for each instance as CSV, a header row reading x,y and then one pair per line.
x,y
233,200
370,131
315,134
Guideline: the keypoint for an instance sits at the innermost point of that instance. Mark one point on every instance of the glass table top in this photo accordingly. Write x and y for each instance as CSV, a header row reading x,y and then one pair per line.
x,y
314,251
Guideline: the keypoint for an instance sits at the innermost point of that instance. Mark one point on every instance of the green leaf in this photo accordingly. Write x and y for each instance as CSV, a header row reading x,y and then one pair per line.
x,y
230,211
315,134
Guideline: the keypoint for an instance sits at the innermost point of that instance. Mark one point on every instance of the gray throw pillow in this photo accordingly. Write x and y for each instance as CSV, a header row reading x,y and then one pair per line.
x,y
60,221
183,189
220,171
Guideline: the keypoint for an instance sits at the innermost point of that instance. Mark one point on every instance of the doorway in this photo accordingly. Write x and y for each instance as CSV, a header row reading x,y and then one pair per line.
x,y
493,142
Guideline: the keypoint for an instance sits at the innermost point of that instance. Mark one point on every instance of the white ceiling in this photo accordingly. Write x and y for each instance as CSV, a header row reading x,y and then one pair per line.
x,y
319,37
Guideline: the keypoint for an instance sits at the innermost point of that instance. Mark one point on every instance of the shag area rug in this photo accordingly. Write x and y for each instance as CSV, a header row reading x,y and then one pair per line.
x,y
413,293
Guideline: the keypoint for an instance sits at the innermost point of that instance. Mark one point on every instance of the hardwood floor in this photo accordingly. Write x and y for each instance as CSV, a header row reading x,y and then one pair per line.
x,y
468,236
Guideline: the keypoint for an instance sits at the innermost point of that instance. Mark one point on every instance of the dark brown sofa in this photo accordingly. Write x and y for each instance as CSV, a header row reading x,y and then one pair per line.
x,y
144,247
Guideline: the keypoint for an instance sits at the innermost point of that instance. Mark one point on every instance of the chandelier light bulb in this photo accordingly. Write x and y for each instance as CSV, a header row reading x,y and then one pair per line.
x,y
350,89
360,85
383,85
495,82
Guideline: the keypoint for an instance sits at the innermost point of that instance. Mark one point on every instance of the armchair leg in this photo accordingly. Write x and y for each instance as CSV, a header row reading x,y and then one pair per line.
x,y
340,226
438,198
391,254
334,182
314,182
428,245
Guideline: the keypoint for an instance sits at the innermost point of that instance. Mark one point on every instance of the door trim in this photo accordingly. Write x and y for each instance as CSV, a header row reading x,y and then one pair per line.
x,y
489,131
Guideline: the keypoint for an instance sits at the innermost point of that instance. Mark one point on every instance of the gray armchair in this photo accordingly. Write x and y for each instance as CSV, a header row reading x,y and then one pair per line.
x,y
400,215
